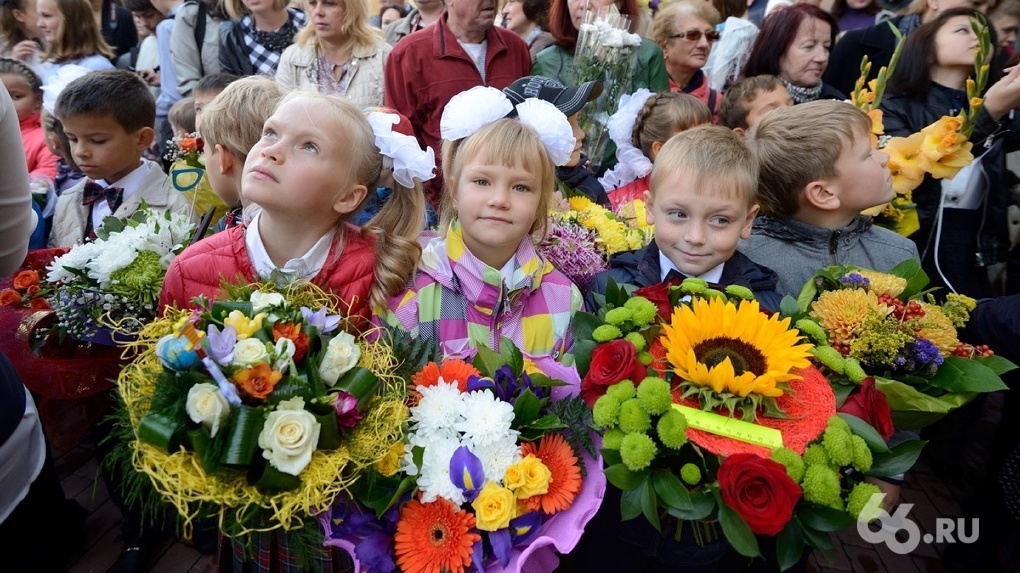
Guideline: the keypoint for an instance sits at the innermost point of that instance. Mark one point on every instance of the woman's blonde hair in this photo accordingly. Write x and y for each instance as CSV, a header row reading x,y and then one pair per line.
x,y
666,19
236,8
355,28
396,239
504,142
664,115
82,38
235,116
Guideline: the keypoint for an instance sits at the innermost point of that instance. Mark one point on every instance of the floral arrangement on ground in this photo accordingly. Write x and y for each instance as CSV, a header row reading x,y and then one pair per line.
x,y
885,330
711,413
260,408
496,471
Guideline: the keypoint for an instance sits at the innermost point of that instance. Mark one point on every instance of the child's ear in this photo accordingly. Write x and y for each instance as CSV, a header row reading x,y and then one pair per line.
x,y
745,231
350,200
656,148
821,195
649,211
145,137
227,159
741,132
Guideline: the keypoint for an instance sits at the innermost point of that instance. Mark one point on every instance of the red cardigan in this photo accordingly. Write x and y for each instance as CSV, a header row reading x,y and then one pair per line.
x,y
203,267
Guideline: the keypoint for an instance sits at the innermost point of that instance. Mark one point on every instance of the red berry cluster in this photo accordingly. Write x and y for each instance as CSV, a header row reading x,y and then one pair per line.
x,y
841,346
901,311
965,350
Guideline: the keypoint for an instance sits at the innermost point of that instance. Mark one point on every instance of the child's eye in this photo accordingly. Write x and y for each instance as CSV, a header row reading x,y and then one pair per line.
x,y
268,132
677,214
522,188
721,220
481,182
310,147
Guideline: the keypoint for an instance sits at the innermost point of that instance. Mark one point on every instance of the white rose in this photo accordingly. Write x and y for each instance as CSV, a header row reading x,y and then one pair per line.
x,y
289,437
263,300
207,406
342,354
249,352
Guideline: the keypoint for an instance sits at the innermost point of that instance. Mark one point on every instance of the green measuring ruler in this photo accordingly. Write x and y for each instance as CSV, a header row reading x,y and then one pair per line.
x,y
731,427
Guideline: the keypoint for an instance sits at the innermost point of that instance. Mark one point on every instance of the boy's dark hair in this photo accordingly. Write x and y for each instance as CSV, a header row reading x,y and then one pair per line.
x,y
117,93
733,108
138,5
215,82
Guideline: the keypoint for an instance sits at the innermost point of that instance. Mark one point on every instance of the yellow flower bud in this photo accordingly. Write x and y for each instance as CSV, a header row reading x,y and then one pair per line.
x,y
494,507
244,327
534,477
390,463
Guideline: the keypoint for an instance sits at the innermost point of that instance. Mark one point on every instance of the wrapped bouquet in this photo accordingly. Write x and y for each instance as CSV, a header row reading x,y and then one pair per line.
x,y
496,471
883,329
260,408
607,52
712,414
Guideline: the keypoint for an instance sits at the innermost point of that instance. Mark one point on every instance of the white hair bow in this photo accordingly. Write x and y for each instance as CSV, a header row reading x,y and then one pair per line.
x,y
409,160
631,162
57,82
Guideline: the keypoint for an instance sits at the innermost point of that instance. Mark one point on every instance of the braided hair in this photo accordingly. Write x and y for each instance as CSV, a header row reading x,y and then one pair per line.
x,y
664,115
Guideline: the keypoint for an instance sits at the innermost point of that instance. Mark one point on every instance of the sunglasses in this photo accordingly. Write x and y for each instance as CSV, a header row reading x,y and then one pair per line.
x,y
695,35
186,179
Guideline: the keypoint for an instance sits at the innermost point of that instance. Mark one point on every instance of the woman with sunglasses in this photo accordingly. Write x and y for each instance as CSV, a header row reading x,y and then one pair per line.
x,y
794,44
686,30
565,16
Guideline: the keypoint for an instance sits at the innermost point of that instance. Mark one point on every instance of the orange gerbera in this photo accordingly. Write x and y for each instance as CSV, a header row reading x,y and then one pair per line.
x,y
434,537
558,456
451,370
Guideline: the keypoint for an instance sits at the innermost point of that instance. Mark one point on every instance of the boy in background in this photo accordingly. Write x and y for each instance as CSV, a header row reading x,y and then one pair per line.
x,y
749,99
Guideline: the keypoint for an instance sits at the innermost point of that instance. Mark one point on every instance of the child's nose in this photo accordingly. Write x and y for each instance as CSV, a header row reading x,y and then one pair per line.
x,y
695,234
500,197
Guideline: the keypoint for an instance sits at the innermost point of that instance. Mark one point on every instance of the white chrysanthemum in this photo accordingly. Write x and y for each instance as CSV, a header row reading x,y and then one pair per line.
x,y
486,420
498,455
77,258
439,411
434,478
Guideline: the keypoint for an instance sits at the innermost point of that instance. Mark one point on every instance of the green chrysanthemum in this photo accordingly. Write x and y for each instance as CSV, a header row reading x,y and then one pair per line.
x,y
672,429
643,310
858,499
622,391
821,486
636,339
791,461
740,292
691,474
829,357
654,395
613,438
862,458
634,418
606,332
619,316
853,370
810,328
815,455
637,451
694,286
606,411
141,280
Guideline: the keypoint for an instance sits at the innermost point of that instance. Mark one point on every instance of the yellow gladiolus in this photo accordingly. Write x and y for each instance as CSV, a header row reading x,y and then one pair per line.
x,y
906,171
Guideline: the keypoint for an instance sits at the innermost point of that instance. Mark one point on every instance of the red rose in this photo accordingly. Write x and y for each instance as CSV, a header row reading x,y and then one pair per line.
x,y
39,303
10,297
658,294
611,362
869,404
759,490
25,279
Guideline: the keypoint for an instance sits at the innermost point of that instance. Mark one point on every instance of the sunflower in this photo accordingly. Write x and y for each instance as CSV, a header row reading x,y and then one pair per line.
x,y
434,537
558,456
715,345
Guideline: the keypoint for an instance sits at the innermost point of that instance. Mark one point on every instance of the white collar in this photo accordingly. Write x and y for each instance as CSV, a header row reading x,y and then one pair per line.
x,y
130,183
508,271
305,267
665,265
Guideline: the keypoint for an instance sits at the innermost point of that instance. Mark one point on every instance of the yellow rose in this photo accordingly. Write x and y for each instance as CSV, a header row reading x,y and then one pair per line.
x,y
244,327
494,507
390,464
536,477
514,477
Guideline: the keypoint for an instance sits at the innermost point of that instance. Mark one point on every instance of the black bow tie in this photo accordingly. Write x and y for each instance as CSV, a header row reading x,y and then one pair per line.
x,y
674,278
93,192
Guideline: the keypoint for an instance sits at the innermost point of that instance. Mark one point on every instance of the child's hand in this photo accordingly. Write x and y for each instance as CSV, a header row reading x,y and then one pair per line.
x,y
1004,95
891,491
24,50
151,77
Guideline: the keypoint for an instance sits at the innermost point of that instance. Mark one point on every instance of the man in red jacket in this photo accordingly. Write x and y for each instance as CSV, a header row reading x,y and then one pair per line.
x,y
462,50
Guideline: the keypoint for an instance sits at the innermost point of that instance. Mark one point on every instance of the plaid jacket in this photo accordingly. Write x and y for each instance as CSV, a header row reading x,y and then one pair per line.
x,y
460,302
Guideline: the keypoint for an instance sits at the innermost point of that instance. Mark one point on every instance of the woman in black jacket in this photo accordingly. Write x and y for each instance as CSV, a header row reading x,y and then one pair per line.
x,y
963,223
252,42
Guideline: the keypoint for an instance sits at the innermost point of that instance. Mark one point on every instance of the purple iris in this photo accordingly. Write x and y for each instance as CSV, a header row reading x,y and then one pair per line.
x,y
221,344
478,554
505,384
466,472
324,323
501,546
346,408
523,526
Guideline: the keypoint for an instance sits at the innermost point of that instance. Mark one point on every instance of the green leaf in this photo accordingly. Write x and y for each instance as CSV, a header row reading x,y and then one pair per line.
x,y
361,383
272,479
823,518
670,490
842,392
702,506
788,306
863,429
737,532
817,539
584,324
242,436
582,355
964,375
898,460
329,431
511,355
630,504
205,448
526,409
807,295
789,546
162,430
996,363
649,504
910,269
417,455
546,423
611,457
487,361
621,476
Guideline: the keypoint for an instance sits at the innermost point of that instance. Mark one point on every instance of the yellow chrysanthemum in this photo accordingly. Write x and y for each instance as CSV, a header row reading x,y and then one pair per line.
x,y
938,328
884,283
842,313
733,349
580,203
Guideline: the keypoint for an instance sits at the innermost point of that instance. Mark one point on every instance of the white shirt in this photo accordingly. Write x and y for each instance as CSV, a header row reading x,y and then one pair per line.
x,y
130,183
477,53
665,265
508,271
305,267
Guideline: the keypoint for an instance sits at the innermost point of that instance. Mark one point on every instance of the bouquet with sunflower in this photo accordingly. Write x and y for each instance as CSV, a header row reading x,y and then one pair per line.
x,y
111,286
790,468
497,471
886,330
260,408
583,235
